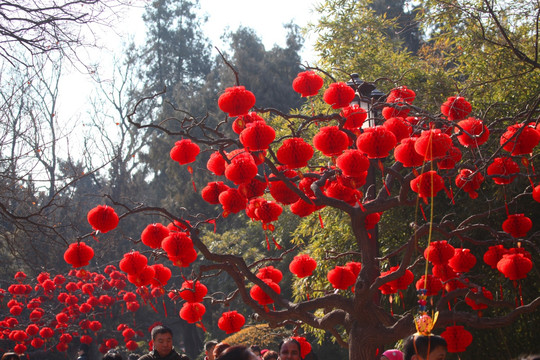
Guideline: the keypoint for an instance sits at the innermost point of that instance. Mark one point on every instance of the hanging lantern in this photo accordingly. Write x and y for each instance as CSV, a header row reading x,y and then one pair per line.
x,y
473,132
522,143
302,208
260,296
479,306
376,142
46,332
372,220
271,273
153,235
302,265
398,109
457,338
354,116
353,163
236,101
433,144
253,189
192,312
37,343
305,346
257,136
449,161
517,225
216,164
133,263
456,108
252,205
331,141
341,277
86,339
338,95
103,218
21,348
399,127
242,168
406,154
232,201
193,291
339,191
403,282
210,193
32,329
433,284
307,83
439,252
469,183
294,153
143,278
427,184
242,121
494,254
514,266
401,93
536,193
280,191
162,275
177,244
132,345
444,272
503,170
184,151
231,322
268,211
462,261
78,254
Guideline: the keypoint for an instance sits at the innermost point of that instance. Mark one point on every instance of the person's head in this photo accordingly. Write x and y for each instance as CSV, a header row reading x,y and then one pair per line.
x,y
209,349
270,355
289,349
83,349
256,349
392,354
219,348
112,355
238,352
162,338
10,356
421,347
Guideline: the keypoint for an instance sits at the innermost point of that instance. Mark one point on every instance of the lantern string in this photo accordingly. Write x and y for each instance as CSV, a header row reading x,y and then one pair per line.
x,y
321,221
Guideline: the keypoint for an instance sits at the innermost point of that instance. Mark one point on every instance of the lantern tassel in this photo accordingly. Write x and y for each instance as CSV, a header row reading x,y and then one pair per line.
x,y
423,213
391,305
320,221
153,307
267,241
94,236
201,325
213,222
164,307
520,295
275,243
190,170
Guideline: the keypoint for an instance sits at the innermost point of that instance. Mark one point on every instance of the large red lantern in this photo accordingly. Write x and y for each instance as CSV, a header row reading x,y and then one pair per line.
x,y
216,164
341,277
331,141
517,225
242,168
503,170
427,184
519,139
399,127
193,291
46,332
339,191
376,142
260,296
103,218
514,266
439,252
253,189
257,136
307,83
153,235
494,254
353,163
37,342
210,193
268,211
400,94
462,261
231,322
302,265
302,208
177,244
143,277
133,263
354,117
184,151
279,189
78,254
473,132
192,312
457,338
449,161
433,144
162,275
232,201
456,108
338,95
294,153
469,183
433,284
406,153
236,101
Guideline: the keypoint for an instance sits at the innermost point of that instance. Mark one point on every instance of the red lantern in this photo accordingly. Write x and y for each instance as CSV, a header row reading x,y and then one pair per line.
x,y
192,312
473,132
494,254
503,170
479,306
338,95
143,278
162,275
517,225
236,101
216,164
433,285
46,332
231,322
462,261
232,201
252,189
103,218
184,151
433,144
353,163
354,117
536,193
449,161
338,191
132,345
376,142
268,211
78,254
210,193
445,273
456,108
398,109
355,267
242,121
406,154
400,94
32,329
399,127
372,220
469,183
457,338
307,83
439,252
522,143
294,153
302,265
242,168
37,342
271,273
302,208
133,263
403,282
21,348
257,136
280,191
427,184
86,339
62,318
514,266
331,141
260,296
153,235
193,291
176,244
341,277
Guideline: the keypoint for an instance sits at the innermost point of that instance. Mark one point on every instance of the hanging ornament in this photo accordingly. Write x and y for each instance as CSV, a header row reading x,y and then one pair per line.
x,y
517,225
354,117
339,191
432,286
341,277
338,95
449,161
519,139
494,254
353,163
456,108
400,94
153,235
184,151
376,142
193,291
78,254
216,164
439,252
257,136
192,312
103,218
302,265
260,296
307,83
242,168
331,141
302,208
514,266
242,121
406,153
457,338
399,127
270,273
398,109
462,261
475,305
503,170
133,263
433,144
236,101
253,189
279,190
427,184
536,193
210,193
469,183
473,132
294,153
231,322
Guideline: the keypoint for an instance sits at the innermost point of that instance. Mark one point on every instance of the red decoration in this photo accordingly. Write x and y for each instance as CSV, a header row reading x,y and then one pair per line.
x,y
193,291
302,208
305,346
268,211
399,127
456,108
270,273
242,121
339,191
354,117
133,263
132,345
179,248
517,225
372,220
184,151
433,285
353,163
444,272
406,153
21,348
376,142
280,191
479,306
427,184
473,132
153,235
462,261
37,342
78,254
338,95
433,144
192,312
103,218
294,153
439,252
341,277
469,183
216,164
231,322
536,193
514,266
162,275
307,83
260,296
519,139
503,170
257,136
400,94
302,265
457,338
236,101
449,161
143,277
242,168
253,189
331,141
232,201
46,332
210,193
494,254
396,110
401,283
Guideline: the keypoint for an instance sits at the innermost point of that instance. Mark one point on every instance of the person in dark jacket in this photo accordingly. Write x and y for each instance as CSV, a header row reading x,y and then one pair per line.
x,y
162,338
83,352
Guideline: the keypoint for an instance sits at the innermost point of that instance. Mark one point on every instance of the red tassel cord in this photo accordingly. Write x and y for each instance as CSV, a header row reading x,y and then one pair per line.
x,y
275,243
190,170
267,241
320,221
164,307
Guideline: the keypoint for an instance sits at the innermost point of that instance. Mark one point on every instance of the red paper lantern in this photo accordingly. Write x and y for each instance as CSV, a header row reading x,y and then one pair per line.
x,y
153,235
103,218
353,163
231,322
242,168
462,261
78,254
456,108
132,345
398,109
473,132
433,284
184,151
503,170
192,312
433,144
142,278
37,342
376,142
302,265
260,296
469,183
176,244
354,117
341,192
307,83
494,254
427,184
457,338
242,121
21,348
66,338
62,318
445,273
193,291
280,191
449,161
302,208
216,164
46,332
401,283
517,225
32,329
479,306
355,267
372,220
341,277
400,94
86,339
271,273
522,143
439,252
536,193
252,189
268,211
294,153
338,95
406,153
232,201
514,266
257,136
236,101
210,193
252,205
162,275
133,263
399,127
331,141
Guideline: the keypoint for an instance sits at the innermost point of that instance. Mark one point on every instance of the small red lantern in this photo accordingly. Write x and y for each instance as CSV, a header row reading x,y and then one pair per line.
x,y
372,220
210,193
216,164
21,348
433,284
399,127
132,345
339,191
522,143
445,273
494,254
231,321
503,170
46,332
193,291
439,252
192,312
457,338
338,95
355,267
479,306
536,193
456,108
268,211
341,277
473,132
433,144
153,235
133,263
260,296
514,266
271,273
86,339
143,278
331,141
184,151
280,191
78,254
236,101
162,275
294,153
427,184
462,261
103,218
397,109
241,122
232,201
176,243
302,265
354,117
517,225
254,188
302,208
403,282
37,342
32,329
307,83
257,136
406,154
401,93
242,168
449,161
353,163
376,142
469,183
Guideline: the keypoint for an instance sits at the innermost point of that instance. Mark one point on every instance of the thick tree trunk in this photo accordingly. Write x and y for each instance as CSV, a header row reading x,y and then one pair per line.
x,y
363,344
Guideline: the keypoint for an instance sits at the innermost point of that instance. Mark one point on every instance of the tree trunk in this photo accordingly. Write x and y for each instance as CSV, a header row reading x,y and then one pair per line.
x,y
363,344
